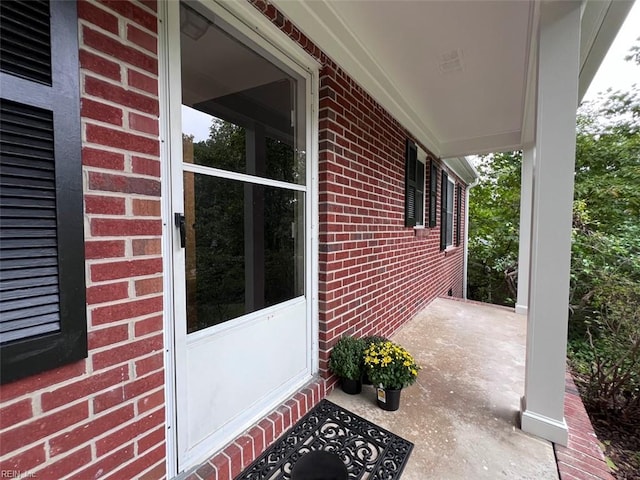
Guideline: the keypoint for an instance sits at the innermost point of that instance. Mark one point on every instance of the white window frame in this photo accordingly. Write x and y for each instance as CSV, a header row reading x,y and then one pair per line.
x,y
451,190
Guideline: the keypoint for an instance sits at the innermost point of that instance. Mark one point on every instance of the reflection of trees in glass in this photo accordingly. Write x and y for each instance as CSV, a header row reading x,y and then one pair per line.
x,y
221,223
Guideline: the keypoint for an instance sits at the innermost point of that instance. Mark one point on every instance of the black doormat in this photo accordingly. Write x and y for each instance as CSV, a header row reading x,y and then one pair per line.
x,y
368,451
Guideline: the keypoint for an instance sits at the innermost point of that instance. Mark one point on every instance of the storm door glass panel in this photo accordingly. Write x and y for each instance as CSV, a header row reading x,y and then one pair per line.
x,y
232,95
244,248
244,173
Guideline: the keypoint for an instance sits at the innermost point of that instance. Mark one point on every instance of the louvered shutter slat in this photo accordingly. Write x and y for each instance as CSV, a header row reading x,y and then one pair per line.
x,y
12,243
25,39
23,282
35,10
32,215
47,326
27,309
28,294
41,252
32,262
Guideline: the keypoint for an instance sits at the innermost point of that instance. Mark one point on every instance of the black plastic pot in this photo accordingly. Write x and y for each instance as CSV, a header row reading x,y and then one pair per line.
x,y
352,387
388,399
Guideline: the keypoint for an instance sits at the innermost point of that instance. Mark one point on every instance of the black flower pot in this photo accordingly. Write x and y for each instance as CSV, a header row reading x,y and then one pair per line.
x,y
366,380
388,399
352,387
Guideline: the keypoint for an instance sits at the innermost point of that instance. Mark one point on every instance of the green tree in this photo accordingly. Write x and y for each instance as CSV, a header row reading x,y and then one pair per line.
x,y
604,327
493,229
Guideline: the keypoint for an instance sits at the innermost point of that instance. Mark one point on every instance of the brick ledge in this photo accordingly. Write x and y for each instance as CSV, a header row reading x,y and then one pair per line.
x,y
582,458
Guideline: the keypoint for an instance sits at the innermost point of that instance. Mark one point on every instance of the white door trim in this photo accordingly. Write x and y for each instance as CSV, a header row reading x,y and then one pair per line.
x,y
250,23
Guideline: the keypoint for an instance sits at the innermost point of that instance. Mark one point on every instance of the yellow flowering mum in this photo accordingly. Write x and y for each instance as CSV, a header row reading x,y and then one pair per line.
x,y
390,365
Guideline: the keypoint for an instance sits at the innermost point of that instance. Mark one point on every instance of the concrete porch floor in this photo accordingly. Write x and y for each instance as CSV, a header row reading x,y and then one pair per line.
x,y
462,413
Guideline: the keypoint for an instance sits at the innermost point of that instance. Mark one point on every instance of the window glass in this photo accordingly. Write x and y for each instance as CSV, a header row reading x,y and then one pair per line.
x,y
227,88
449,226
244,248
243,237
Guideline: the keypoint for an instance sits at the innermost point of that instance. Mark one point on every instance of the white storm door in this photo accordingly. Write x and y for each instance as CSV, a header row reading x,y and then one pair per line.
x,y
240,196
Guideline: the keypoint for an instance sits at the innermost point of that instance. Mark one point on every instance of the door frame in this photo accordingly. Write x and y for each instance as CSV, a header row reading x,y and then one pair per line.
x,y
258,29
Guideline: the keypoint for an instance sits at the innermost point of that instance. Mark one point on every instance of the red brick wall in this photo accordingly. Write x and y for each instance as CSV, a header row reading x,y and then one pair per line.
x,y
375,273
104,417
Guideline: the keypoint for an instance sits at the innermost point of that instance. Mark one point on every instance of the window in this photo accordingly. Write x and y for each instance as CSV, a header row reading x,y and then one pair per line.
x,y
42,289
458,213
414,186
433,193
446,212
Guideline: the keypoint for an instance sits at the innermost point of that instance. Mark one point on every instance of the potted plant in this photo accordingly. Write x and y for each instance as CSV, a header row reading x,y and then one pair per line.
x,y
346,362
368,341
391,368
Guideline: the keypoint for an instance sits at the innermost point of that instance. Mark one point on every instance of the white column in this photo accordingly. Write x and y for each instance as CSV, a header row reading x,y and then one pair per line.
x,y
559,42
524,245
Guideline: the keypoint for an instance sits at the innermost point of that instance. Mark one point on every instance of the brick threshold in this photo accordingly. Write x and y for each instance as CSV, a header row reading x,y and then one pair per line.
x,y
582,458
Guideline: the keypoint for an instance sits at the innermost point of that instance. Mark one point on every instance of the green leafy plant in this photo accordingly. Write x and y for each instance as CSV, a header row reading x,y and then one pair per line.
x,y
390,365
346,359
609,360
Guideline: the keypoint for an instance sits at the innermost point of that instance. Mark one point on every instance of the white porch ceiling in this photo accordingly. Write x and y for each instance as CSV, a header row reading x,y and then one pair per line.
x,y
458,74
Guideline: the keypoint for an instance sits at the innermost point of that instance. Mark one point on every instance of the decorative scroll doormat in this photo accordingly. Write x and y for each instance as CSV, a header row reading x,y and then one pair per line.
x,y
368,451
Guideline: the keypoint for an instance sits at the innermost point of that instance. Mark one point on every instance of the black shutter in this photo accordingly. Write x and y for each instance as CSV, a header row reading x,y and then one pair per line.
x,y
411,190
458,213
42,286
443,211
433,193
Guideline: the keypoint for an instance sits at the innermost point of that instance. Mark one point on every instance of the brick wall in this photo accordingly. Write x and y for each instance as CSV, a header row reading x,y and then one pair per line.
x,y
375,273
104,417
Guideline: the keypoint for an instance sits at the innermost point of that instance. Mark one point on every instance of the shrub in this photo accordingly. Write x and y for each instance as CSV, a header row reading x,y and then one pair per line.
x,y
607,356
371,339
346,359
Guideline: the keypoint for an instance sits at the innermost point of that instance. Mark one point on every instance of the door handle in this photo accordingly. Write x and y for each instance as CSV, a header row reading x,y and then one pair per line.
x,y
179,221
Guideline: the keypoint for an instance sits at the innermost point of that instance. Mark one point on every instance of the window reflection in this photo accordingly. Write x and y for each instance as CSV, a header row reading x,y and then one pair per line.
x,y
244,248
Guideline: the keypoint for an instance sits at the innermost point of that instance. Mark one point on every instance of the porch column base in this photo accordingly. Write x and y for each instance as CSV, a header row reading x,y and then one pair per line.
x,y
521,309
548,428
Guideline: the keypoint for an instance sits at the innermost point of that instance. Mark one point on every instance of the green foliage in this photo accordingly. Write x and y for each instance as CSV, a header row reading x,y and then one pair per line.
x,y
607,354
604,327
390,365
494,207
347,358
219,227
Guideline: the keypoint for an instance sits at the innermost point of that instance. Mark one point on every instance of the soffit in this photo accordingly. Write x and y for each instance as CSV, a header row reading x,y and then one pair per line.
x,y
453,72
459,75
